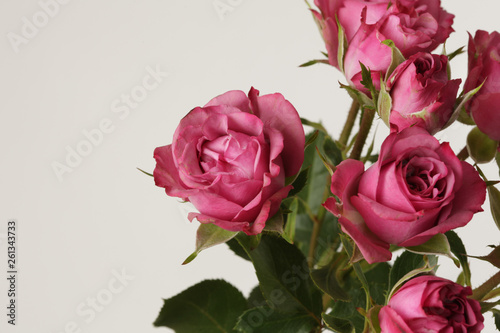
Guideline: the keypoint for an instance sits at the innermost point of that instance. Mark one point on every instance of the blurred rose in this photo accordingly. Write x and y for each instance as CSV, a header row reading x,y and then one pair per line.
x,y
417,189
431,304
484,64
421,93
230,159
413,25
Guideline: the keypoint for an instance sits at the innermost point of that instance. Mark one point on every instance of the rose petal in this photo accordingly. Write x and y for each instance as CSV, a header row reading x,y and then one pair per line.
x,y
214,205
165,174
392,226
373,249
228,225
235,98
391,322
277,113
468,201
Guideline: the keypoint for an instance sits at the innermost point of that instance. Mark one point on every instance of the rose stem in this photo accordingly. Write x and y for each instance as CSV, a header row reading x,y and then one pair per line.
x,y
349,124
317,223
464,153
485,288
364,129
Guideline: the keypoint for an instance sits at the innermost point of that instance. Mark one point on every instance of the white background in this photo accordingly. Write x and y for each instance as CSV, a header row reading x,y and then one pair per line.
x,y
105,216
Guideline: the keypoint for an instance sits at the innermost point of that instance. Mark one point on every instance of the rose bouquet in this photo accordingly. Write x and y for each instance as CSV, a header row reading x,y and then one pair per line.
x,y
344,235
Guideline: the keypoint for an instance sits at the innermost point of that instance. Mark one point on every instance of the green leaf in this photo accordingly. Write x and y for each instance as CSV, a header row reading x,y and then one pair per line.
x,y
211,306
265,319
458,249
313,124
408,265
283,276
209,235
311,198
326,278
493,257
342,46
438,244
291,218
497,158
256,299
453,54
328,238
332,152
337,324
312,193
488,306
464,117
299,183
363,100
359,272
461,105
311,138
313,62
384,104
496,316
348,311
378,281
373,319
367,82
325,161
397,57
405,263
492,294
237,249
275,223
494,197
146,173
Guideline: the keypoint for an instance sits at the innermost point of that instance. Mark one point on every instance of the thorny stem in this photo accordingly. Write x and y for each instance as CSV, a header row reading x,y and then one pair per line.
x,y
349,124
366,124
480,292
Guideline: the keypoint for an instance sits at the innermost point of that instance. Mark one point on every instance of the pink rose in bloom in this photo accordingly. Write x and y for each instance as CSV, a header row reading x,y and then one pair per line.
x,y
484,64
413,25
421,93
230,159
431,304
417,189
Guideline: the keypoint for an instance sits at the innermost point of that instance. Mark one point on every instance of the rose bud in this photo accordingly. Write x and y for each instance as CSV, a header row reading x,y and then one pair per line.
x,y
230,159
484,66
431,304
418,188
421,93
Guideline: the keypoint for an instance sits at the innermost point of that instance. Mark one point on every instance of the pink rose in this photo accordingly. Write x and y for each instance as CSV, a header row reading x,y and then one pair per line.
x,y
413,25
366,47
431,304
417,189
230,159
417,25
421,93
484,64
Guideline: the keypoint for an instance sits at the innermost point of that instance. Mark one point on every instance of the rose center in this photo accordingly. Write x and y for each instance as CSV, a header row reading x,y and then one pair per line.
x,y
423,179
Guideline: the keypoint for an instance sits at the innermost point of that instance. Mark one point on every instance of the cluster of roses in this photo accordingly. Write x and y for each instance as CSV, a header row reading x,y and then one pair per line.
x,y
233,158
